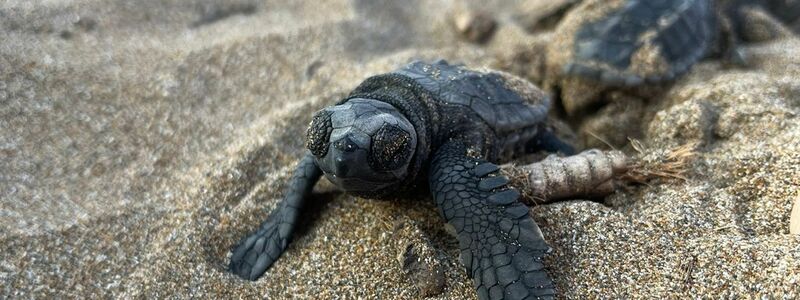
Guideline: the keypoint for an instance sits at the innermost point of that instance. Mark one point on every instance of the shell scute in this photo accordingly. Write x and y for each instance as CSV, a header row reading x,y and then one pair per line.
x,y
503,107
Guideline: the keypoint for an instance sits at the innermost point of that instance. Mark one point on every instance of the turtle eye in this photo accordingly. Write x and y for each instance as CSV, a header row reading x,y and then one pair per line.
x,y
319,133
390,149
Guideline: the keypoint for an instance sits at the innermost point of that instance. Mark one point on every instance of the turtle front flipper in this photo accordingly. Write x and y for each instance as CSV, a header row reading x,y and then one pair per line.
x,y
258,251
501,246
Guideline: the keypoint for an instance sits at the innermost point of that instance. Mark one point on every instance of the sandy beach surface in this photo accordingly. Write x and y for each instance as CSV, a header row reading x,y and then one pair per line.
x,y
140,140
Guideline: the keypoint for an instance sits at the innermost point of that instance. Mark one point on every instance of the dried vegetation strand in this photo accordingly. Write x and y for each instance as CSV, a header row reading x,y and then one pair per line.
x,y
669,164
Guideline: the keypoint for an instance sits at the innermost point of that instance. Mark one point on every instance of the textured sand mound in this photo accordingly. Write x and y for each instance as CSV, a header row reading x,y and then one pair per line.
x,y
140,140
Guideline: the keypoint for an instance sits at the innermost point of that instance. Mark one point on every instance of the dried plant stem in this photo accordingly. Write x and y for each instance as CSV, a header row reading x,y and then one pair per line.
x,y
596,173
589,173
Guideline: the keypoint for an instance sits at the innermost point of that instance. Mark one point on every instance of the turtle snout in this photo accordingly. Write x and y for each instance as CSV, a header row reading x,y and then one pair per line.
x,y
340,167
347,158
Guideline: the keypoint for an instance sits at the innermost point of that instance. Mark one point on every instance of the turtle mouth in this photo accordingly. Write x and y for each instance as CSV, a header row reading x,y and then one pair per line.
x,y
355,184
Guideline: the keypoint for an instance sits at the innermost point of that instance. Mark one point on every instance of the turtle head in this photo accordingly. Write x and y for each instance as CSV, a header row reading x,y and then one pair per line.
x,y
362,145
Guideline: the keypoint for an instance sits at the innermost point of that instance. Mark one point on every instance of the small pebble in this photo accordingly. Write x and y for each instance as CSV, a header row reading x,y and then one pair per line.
x,y
475,27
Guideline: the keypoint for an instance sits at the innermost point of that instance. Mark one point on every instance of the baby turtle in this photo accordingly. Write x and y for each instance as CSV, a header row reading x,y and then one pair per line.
x,y
630,43
439,124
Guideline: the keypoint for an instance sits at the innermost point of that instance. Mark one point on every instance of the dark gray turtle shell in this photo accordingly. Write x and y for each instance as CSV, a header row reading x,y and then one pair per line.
x,y
504,102
643,41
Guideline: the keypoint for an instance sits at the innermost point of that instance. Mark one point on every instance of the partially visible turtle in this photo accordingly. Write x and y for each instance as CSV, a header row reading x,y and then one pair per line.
x,y
438,125
624,44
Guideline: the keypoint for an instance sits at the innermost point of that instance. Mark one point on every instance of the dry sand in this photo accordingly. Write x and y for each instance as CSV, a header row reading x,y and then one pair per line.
x,y
139,140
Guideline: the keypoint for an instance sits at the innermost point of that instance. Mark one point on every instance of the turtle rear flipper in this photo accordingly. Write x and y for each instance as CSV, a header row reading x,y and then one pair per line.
x,y
501,246
258,251
547,140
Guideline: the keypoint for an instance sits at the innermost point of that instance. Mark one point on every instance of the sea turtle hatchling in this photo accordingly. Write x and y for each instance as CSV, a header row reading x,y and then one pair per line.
x,y
439,124
601,45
